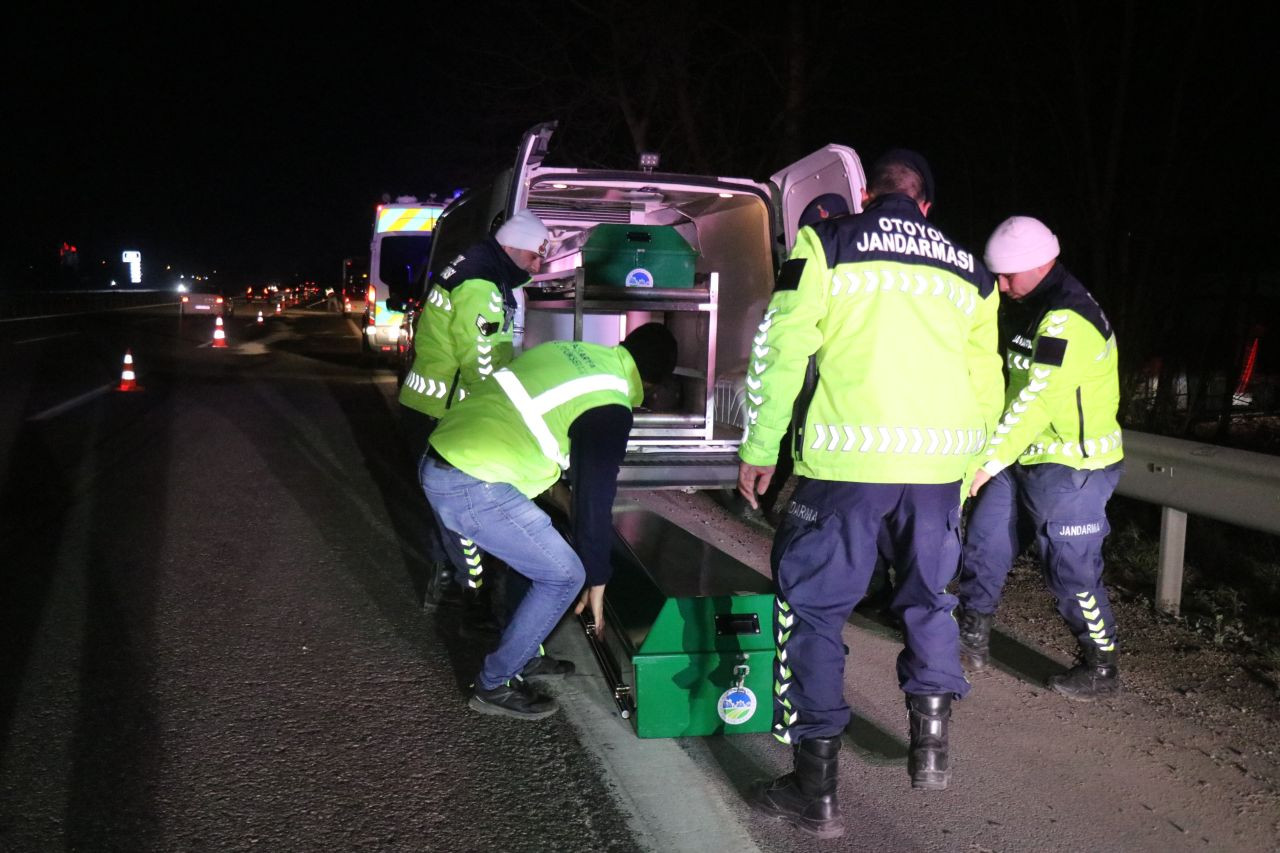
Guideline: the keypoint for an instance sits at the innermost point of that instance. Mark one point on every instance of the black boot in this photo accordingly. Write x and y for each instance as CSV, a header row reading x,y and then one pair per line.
x,y
477,620
806,798
927,761
442,590
975,638
1095,675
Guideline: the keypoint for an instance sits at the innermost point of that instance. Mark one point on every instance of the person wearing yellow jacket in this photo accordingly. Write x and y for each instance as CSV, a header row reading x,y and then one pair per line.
x,y
463,335
563,406
1053,462
896,326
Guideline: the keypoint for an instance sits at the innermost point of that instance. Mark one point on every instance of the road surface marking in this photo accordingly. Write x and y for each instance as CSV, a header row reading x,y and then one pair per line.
x,y
46,338
68,405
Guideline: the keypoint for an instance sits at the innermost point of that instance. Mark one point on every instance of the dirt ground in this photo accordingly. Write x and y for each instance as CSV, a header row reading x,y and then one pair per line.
x,y
1202,711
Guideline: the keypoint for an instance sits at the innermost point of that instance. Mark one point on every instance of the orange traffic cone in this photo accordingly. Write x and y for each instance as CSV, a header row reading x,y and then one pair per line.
x,y
277,307
128,381
219,336
259,317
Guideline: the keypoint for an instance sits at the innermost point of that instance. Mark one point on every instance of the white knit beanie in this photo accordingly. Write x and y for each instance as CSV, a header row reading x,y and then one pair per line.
x,y
1020,243
524,231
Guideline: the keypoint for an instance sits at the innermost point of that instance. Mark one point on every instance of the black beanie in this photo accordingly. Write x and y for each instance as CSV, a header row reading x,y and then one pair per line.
x,y
653,348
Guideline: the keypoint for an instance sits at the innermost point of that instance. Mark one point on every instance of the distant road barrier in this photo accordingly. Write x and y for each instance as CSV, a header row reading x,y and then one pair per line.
x,y
1181,477
24,305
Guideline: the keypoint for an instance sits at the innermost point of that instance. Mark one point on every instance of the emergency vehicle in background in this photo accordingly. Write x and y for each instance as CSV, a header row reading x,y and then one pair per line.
x,y
352,285
402,233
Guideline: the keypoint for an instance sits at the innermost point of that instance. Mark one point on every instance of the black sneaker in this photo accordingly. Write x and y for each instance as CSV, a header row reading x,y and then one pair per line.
x,y
513,699
545,666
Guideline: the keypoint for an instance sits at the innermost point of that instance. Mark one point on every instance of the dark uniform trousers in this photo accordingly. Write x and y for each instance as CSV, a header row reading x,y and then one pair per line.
x,y
443,545
823,558
1064,512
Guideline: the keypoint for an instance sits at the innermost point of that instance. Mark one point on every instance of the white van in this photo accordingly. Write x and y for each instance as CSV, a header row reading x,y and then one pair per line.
x,y
697,253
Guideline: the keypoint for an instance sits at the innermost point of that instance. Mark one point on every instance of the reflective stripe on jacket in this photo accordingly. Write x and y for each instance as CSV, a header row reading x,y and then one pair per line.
x,y
516,429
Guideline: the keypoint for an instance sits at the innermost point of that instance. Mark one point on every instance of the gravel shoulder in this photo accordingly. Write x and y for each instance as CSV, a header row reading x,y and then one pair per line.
x,y
1187,757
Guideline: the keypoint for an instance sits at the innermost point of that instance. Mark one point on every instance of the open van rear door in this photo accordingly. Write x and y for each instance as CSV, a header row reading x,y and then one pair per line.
x,y
833,169
532,150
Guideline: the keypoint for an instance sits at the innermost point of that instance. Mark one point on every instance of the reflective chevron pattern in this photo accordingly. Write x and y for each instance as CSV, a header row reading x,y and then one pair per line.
x,y
475,569
785,620
429,387
759,348
850,438
1093,620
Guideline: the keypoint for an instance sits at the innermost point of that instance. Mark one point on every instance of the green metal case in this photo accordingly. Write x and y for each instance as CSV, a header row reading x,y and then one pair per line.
x,y
688,626
638,256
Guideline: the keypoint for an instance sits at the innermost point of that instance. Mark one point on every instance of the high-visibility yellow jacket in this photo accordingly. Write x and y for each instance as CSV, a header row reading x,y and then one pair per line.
x,y
515,428
465,330
901,324
1064,386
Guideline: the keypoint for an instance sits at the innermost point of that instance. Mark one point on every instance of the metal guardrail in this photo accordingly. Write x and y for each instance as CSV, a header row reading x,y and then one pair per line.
x,y
1181,477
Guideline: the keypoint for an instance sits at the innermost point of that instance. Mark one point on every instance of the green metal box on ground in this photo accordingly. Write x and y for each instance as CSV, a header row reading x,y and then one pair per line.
x,y
650,256
690,631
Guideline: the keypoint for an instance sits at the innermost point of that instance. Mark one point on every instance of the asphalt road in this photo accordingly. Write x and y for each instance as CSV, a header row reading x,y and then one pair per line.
x,y
212,641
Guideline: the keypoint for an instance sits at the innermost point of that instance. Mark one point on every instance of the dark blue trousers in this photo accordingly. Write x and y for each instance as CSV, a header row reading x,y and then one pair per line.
x,y
1064,511
823,558
443,545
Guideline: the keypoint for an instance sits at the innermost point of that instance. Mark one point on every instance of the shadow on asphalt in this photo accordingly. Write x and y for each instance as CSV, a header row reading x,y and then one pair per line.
x,y
1021,661
736,764
116,751
108,457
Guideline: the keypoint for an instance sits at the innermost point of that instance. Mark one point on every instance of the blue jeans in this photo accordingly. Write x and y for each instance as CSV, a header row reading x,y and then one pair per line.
x,y
506,524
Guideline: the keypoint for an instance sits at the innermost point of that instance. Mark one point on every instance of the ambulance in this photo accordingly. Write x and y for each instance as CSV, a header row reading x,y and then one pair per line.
x,y
398,253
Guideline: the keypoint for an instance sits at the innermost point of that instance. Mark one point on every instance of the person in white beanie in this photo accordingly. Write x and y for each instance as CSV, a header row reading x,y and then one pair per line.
x,y
1053,463
463,336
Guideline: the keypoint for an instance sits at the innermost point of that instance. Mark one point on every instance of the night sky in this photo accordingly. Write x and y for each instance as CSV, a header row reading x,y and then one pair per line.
x,y
257,144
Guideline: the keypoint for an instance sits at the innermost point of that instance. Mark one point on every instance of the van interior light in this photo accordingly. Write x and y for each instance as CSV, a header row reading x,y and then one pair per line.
x,y
726,195
560,186
649,160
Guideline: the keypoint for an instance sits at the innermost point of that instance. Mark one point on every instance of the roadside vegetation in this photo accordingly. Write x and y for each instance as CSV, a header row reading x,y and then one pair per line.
x,y
1231,584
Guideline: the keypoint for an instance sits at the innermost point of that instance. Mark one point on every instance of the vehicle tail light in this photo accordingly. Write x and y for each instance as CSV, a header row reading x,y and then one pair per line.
x,y
372,295
218,300
186,299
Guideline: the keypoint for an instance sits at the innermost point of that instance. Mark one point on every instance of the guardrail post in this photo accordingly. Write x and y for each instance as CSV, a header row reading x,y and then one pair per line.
x,y
1173,546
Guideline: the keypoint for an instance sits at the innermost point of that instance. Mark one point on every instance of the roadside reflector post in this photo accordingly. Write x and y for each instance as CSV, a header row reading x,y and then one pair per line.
x,y
1173,547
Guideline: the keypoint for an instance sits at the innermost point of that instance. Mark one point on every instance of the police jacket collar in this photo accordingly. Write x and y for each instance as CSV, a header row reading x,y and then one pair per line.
x,y
895,201
1050,285
489,261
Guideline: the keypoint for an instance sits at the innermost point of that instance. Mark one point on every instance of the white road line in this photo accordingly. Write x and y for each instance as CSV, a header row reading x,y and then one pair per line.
x,y
46,338
672,808
68,405
87,313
